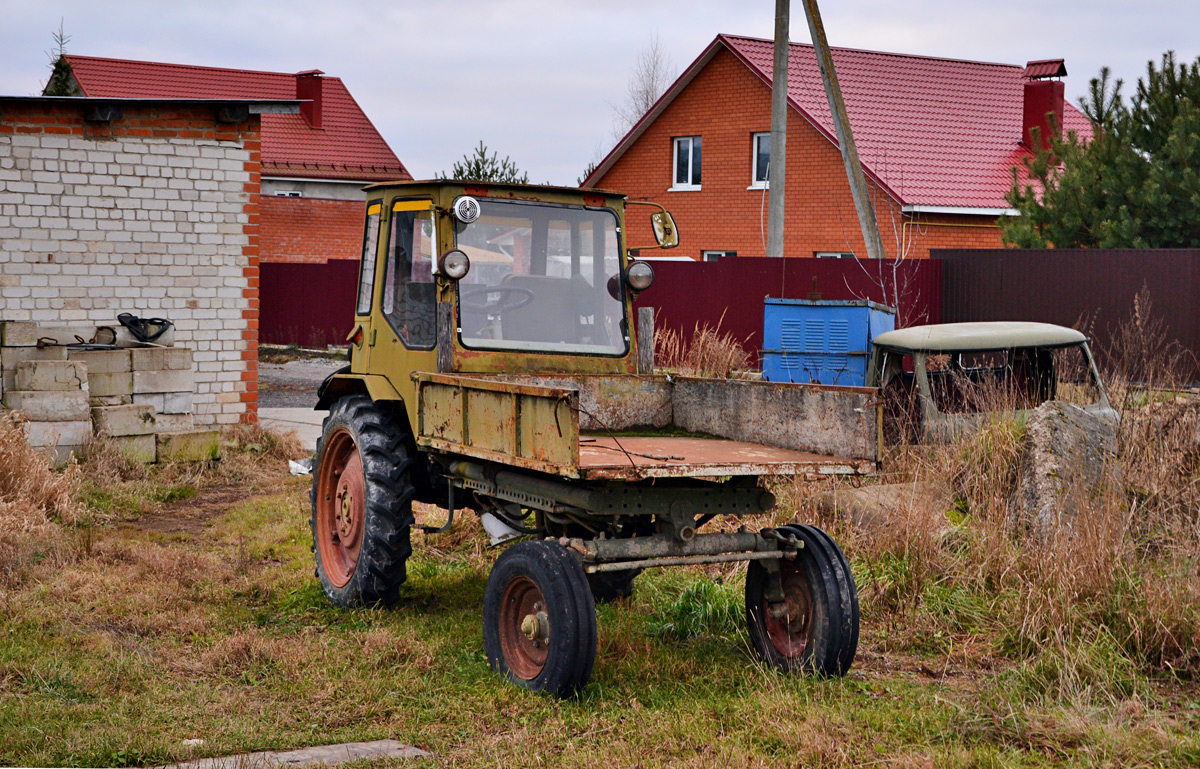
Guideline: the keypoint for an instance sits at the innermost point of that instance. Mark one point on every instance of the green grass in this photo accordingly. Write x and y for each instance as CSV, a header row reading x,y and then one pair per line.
x,y
118,655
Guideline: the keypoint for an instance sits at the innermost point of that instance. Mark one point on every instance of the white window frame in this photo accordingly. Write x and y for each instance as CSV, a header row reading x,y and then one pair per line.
x,y
689,185
755,182
711,255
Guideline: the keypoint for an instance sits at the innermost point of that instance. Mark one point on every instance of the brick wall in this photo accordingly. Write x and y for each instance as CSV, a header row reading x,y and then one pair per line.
x,y
156,213
310,230
726,105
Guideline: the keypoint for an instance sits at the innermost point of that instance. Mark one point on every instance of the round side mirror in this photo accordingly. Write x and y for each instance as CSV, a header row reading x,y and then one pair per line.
x,y
454,264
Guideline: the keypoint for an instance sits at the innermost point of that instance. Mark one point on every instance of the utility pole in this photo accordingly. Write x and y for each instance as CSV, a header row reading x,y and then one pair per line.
x,y
777,167
841,126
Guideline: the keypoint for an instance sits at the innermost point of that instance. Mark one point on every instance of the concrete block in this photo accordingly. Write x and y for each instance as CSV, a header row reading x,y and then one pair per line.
x,y
175,358
163,381
173,423
81,334
147,358
51,375
41,434
49,406
109,400
177,403
142,448
152,399
18,333
120,385
11,357
116,421
189,446
102,361
59,455
160,358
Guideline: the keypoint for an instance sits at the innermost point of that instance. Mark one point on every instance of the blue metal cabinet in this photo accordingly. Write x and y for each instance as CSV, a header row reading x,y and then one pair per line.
x,y
823,341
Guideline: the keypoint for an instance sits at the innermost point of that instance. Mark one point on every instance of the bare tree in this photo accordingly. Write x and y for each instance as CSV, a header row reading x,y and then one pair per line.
x,y
652,72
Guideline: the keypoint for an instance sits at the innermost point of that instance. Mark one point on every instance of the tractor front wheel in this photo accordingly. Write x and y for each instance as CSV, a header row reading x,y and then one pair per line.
x,y
361,504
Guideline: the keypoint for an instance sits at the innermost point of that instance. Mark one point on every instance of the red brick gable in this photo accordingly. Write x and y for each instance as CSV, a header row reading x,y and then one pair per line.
x,y
725,215
310,229
345,146
930,132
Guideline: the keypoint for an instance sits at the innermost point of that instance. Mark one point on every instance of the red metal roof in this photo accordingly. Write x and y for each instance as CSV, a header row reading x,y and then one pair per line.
x,y
347,146
934,132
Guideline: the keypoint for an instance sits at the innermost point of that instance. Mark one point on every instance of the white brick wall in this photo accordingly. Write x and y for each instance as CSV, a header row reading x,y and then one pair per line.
x,y
90,228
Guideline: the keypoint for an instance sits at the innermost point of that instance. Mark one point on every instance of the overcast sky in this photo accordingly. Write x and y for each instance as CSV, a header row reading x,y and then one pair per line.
x,y
536,80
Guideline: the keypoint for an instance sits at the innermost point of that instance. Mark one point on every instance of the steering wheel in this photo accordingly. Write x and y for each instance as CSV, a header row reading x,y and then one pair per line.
x,y
511,298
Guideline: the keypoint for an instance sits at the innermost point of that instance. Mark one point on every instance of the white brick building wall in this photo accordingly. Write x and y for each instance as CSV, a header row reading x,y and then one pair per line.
x,y
93,226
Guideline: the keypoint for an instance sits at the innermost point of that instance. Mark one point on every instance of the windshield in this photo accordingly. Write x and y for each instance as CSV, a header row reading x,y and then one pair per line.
x,y
543,277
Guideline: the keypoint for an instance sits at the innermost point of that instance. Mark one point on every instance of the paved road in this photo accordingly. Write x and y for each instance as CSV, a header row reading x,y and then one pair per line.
x,y
287,393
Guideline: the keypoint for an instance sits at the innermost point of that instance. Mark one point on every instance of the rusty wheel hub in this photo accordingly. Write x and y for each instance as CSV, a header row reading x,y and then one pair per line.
x,y
524,628
789,623
341,507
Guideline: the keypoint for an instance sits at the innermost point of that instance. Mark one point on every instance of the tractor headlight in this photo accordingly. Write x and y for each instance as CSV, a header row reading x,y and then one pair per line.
x,y
454,264
639,276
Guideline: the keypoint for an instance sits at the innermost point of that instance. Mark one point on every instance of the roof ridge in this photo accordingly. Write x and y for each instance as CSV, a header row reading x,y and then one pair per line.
x,y
75,56
897,54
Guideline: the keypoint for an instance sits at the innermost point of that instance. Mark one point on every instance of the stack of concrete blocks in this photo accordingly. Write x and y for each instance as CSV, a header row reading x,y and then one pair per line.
x,y
140,398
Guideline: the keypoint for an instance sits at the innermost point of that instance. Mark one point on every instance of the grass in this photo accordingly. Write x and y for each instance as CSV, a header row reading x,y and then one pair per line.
x,y
140,608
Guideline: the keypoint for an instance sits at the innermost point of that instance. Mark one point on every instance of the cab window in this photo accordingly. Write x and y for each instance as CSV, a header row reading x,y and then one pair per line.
x,y
409,290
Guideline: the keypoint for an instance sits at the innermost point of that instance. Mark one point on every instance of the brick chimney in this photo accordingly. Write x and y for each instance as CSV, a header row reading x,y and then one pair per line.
x,y
1042,98
308,91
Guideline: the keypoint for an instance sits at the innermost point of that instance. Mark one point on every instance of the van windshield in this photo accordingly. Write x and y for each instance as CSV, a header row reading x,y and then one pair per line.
x,y
543,278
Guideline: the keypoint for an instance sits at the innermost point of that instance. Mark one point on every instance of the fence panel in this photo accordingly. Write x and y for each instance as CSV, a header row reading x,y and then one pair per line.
x,y
1092,289
311,305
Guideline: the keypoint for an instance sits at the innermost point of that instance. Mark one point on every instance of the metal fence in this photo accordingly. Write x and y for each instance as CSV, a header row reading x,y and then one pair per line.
x,y
731,291
307,304
1092,289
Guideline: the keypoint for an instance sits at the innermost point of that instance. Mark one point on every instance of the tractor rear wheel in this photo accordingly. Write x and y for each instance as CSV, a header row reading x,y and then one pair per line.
x,y
361,504
539,620
815,628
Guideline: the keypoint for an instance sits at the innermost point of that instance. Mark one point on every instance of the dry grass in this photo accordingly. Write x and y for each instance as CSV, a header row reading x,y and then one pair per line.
x,y
708,352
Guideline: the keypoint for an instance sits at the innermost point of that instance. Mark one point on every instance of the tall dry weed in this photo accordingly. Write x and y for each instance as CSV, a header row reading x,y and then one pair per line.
x,y
709,352
32,492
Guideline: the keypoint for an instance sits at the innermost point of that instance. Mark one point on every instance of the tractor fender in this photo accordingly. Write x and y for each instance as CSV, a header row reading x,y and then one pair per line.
x,y
342,383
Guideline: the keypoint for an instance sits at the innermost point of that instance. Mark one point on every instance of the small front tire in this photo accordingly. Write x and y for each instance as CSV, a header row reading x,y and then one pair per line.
x,y
815,629
539,619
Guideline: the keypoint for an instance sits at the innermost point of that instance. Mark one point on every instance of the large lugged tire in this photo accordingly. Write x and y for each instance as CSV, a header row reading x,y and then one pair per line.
x,y
539,621
818,631
361,504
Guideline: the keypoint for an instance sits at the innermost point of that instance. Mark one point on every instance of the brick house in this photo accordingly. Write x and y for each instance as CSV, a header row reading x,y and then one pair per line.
x,y
148,206
314,164
937,137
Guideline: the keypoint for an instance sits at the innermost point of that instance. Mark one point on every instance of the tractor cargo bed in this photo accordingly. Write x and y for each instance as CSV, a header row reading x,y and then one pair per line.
x,y
571,426
603,457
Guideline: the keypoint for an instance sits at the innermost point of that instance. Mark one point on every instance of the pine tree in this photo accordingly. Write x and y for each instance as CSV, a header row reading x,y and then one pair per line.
x,y
480,167
1136,184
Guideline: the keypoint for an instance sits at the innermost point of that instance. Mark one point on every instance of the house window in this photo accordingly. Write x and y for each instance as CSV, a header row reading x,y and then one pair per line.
x,y
834,254
761,160
713,256
687,163
288,193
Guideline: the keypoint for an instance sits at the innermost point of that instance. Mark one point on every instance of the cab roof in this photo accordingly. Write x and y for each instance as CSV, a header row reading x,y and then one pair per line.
x,y
508,186
983,335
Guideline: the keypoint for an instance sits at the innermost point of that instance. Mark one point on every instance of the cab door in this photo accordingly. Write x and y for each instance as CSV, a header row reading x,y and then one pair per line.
x,y
361,337
406,322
